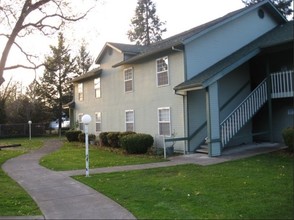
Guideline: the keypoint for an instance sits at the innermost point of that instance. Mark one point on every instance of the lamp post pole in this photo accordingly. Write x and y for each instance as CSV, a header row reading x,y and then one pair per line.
x,y
30,129
86,119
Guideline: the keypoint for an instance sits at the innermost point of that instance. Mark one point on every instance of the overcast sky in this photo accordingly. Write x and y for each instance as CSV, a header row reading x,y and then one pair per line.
x,y
110,21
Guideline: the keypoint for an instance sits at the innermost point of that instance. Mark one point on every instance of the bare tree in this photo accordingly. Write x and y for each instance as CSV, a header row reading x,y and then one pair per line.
x,y
25,17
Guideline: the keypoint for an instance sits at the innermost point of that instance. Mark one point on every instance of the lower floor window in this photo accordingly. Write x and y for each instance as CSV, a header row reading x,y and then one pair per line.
x,y
98,121
164,121
130,120
81,127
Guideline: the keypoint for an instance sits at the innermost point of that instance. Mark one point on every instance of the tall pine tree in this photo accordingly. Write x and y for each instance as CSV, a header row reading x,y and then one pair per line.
x,y
56,81
284,6
84,60
146,28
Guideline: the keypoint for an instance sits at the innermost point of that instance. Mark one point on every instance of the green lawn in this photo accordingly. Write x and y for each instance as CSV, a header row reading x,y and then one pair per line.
x,y
260,187
72,157
14,201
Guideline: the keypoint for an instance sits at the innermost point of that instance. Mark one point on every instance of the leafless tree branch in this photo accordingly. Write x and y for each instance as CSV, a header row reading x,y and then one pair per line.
x,y
16,20
23,66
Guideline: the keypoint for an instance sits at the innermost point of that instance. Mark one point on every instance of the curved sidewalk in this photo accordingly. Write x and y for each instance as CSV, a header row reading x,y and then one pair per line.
x,y
61,197
58,195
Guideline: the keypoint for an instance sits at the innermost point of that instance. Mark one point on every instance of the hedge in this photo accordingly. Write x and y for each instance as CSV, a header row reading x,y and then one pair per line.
x,y
91,137
288,136
103,141
112,139
72,135
137,143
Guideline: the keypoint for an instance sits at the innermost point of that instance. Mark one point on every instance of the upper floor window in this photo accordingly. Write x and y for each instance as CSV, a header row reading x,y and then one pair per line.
x,y
80,92
98,119
128,78
130,118
97,87
164,124
162,71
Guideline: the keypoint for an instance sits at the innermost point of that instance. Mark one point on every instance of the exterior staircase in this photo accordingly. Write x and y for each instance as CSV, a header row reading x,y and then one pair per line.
x,y
280,86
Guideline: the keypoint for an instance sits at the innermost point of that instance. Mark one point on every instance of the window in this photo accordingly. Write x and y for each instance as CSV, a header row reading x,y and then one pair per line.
x,y
162,71
130,120
128,77
80,92
164,121
81,127
98,121
97,87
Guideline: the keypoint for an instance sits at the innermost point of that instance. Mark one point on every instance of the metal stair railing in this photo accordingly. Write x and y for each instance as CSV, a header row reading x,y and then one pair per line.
x,y
244,112
282,84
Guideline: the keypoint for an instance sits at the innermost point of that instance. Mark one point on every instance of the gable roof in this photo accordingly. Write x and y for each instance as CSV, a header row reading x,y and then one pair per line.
x,y
182,38
89,75
279,35
129,49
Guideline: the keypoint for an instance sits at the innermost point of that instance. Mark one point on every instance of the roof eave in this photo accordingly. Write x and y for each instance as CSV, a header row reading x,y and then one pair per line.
x,y
143,56
89,75
267,4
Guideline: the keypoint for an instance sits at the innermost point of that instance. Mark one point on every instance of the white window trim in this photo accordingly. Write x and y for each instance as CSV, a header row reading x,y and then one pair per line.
x,y
129,122
97,88
125,70
100,122
157,72
81,91
81,127
158,110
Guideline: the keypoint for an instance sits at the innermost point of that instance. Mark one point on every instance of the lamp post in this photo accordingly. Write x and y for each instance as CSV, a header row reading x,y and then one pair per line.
x,y
86,119
30,129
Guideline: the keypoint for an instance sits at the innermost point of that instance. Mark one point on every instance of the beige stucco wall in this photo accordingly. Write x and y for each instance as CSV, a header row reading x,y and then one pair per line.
x,y
145,99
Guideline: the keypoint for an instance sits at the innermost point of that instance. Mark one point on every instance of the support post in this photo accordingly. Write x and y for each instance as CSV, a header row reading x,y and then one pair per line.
x,y
213,121
269,97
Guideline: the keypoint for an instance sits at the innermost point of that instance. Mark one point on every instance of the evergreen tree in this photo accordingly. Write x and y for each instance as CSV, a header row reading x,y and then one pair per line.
x,y
146,28
7,95
35,97
84,60
284,6
56,85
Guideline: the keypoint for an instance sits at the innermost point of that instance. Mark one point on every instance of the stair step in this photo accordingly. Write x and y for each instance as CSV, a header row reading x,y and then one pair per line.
x,y
204,146
202,149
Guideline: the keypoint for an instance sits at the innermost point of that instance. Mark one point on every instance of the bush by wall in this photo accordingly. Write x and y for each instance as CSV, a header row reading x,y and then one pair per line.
x,y
72,135
122,134
91,137
103,141
288,136
136,143
113,139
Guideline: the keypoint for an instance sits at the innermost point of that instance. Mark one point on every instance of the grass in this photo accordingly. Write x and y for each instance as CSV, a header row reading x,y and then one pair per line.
x,y
260,187
72,157
14,201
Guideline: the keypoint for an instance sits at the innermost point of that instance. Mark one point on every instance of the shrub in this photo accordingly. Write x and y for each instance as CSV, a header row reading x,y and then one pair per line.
x,y
137,143
91,137
122,134
288,136
103,139
72,135
113,139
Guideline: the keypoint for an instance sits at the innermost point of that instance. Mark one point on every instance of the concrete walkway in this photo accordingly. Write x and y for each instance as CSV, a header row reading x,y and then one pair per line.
x,y
235,153
61,197
57,195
